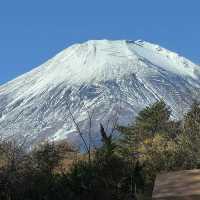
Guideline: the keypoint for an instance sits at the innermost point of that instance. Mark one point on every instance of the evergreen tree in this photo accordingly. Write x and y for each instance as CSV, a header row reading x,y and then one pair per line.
x,y
108,146
189,141
153,118
192,120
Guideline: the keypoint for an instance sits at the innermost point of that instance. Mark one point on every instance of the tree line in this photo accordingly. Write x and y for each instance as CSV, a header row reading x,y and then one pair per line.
x,y
121,169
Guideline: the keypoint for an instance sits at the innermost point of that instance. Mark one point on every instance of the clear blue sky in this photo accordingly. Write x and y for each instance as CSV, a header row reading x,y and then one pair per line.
x,y
31,31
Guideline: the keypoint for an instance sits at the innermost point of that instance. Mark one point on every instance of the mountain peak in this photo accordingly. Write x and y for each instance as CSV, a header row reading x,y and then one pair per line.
x,y
110,78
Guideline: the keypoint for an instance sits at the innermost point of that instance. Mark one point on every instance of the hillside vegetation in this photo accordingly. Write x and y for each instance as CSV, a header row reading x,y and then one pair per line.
x,y
121,169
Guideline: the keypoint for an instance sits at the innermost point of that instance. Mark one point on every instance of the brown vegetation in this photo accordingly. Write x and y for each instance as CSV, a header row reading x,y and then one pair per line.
x,y
121,169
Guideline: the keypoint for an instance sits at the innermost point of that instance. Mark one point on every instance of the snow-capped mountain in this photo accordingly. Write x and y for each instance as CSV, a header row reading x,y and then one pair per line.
x,y
105,81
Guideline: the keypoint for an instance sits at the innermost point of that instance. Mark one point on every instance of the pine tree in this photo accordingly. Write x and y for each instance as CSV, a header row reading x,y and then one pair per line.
x,y
154,118
190,139
151,120
192,120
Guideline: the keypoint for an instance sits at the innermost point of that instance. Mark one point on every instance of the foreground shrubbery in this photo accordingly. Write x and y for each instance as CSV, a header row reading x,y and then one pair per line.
x,y
123,169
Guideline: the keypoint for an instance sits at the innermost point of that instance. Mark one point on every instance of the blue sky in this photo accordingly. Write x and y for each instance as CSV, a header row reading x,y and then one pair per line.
x,y
32,31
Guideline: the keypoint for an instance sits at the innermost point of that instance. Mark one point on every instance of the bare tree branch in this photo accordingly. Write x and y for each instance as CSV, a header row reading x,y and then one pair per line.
x,y
78,129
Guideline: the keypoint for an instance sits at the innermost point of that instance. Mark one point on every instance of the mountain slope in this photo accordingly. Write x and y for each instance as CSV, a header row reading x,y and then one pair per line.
x,y
108,80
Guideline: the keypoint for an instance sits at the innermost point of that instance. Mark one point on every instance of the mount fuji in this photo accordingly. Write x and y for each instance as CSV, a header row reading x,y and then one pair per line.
x,y
99,81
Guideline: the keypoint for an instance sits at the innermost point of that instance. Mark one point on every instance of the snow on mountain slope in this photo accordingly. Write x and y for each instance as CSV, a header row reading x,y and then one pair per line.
x,y
110,80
